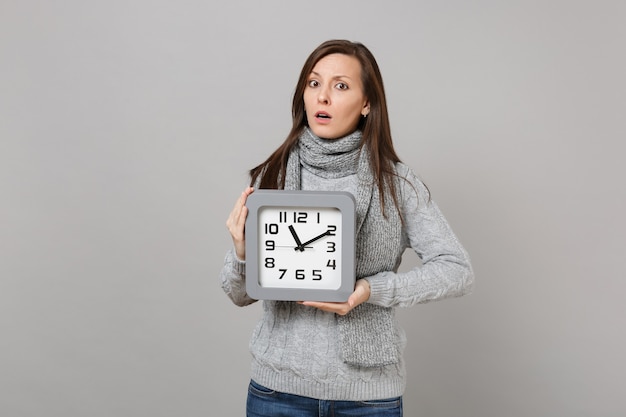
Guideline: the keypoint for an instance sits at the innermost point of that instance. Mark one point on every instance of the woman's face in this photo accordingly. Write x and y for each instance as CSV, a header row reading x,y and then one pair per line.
x,y
333,97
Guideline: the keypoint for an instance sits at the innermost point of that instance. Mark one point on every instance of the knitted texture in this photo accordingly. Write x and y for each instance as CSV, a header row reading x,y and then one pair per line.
x,y
377,236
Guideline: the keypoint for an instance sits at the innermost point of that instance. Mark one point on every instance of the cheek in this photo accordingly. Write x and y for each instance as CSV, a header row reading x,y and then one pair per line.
x,y
308,99
308,116
352,114
306,111
353,109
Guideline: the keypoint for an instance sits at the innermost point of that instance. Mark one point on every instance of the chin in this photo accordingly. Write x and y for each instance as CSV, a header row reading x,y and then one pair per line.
x,y
327,133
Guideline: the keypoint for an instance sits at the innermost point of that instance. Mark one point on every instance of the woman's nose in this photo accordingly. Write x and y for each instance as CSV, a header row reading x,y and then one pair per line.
x,y
322,96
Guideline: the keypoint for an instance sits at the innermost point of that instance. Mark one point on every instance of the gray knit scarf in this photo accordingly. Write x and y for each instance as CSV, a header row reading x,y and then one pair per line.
x,y
378,241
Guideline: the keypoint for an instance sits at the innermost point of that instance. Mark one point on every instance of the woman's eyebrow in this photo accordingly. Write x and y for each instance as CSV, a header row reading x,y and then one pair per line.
x,y
335,77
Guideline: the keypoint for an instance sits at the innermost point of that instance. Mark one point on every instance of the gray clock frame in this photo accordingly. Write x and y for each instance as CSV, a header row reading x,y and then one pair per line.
x,y
340,200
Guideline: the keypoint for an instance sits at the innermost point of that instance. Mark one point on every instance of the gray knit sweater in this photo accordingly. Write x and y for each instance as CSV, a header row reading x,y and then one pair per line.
x,y
297,349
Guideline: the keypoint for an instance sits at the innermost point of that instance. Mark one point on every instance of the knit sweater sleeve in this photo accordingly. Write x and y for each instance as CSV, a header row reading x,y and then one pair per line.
x,y
445,270
233,279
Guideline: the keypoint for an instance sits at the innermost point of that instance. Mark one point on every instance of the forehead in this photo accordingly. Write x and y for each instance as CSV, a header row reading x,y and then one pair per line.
x,y
338,65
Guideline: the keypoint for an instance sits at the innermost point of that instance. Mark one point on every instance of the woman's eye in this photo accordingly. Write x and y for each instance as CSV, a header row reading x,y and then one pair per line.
x,y
342,86
313,83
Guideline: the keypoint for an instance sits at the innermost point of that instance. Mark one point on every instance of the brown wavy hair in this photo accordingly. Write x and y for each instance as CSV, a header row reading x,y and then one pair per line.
x,y
375,127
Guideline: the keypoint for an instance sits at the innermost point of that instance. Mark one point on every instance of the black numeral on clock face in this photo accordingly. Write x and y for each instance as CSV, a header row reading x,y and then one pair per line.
x,y
298,217
299,274
332,263
270,245
271,228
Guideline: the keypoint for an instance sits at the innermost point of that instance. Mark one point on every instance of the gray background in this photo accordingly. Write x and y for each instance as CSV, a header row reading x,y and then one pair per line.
x,y
127,127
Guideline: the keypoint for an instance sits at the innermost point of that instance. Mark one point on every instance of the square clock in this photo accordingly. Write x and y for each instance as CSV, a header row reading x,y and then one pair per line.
x,y
300,245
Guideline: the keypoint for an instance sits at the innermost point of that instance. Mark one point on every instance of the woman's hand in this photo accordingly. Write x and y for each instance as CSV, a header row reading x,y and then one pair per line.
x,y
360,295
236,223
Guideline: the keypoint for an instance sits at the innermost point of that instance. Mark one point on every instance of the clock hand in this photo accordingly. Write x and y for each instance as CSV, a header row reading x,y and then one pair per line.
x,y
300,246
326,233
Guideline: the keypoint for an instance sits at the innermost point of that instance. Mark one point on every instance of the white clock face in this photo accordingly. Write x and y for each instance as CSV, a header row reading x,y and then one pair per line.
x,y
299,247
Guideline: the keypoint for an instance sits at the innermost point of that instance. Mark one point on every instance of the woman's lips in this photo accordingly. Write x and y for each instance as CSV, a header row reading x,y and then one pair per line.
x,y
322,117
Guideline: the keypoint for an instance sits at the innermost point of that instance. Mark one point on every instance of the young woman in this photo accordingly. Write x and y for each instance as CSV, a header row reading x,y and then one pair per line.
x,y
308,357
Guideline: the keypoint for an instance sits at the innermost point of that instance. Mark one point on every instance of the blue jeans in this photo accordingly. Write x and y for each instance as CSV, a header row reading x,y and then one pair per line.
x,y
264,402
